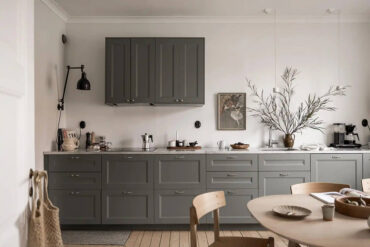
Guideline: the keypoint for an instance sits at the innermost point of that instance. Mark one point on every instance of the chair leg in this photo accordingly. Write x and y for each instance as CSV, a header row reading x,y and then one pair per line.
x,y
271,242
293,244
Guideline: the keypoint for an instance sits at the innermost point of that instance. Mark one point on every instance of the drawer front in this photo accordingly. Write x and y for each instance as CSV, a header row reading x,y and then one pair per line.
x,y
127,171
172,206
236,210
337,168
232,162
127,206
71,180
77,207
366,166
74,163
246,180
284,162
278,183
180,171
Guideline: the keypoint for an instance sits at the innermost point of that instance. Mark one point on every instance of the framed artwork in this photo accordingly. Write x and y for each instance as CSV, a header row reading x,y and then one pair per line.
x,y
231,109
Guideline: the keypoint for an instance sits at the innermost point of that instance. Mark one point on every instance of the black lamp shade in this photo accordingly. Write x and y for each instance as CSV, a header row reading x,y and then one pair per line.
x,y
83,83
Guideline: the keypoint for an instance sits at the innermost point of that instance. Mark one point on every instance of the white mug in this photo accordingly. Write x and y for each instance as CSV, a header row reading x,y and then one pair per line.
x,y
172,143
221,144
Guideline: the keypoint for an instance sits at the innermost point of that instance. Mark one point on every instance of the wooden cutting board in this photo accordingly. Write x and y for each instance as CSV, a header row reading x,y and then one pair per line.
x,y
187,148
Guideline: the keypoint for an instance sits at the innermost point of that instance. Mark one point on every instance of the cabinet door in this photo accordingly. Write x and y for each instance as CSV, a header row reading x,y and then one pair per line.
x,y
71,180
73,163
366,168
284,162
142,70
77,206
117,70
337,168
278,183
172,206
127,171
127,206
180,70
232,162
232,180
185,171
236,210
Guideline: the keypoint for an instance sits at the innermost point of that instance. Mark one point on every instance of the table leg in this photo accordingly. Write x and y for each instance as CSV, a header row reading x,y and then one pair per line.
x,y
293,244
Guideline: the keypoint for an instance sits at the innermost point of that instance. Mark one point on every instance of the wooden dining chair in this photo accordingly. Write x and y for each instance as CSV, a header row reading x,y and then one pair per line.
x,y
315,187
366,185
212,202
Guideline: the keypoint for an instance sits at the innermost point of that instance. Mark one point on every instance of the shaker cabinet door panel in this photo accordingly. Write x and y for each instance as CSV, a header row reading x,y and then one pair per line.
x,y
337,168
284,162
72,180
117,74
142,70
77,206
180,171
127,171
232,162
127,206
73,163
236,210
278,183
232,180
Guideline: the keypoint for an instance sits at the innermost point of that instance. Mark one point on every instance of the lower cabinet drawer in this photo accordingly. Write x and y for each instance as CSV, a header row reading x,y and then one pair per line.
x,y
247,180
70,180
173,206
127,206
81,207
278,183
236,210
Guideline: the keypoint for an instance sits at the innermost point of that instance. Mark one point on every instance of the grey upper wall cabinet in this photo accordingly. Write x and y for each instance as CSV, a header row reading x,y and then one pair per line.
x,y
180,71
337,168
154,71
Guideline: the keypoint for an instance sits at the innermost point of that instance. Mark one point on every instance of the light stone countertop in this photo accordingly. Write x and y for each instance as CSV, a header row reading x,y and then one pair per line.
x,y
217,151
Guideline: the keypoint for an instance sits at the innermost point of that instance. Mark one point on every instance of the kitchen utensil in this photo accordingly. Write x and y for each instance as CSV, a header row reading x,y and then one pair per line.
x,y
328,211
289,211
147,140
349,137
193,144
221,144
172,143
341,206
180,143
239,146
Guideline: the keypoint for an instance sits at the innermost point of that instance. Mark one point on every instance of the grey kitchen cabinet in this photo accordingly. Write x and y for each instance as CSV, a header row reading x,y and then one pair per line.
x,y
172,206
232,180
236,210
127,171
142,83
180,71
277,183
232,162
284,162
117,70
73,163
366,166
127,206
184,171
337,168
72,180
77,206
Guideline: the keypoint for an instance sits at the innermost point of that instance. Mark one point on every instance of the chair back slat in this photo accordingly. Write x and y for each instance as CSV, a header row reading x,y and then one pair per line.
x,y
314,187
207,202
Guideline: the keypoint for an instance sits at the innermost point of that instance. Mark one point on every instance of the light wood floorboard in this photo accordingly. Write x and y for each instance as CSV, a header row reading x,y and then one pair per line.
x,y
182,238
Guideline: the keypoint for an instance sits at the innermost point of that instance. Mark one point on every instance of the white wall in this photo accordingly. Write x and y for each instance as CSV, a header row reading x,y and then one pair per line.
x,y
232,52
49,71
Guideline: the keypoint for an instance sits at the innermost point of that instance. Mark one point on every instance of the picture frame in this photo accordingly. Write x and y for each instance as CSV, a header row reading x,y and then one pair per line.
x,y
231,111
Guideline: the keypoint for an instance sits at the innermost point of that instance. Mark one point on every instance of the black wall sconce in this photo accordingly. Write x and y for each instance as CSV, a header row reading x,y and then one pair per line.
x,y
82,84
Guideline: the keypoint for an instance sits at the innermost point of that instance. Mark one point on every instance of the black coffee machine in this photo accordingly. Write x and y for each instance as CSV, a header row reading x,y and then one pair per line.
x,y
344,136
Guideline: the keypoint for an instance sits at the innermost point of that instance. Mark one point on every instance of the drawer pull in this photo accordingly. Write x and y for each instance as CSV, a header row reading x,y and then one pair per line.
x,y
335,157
229,192
127,193
179,192
74,193
180,157
130,157
75,175
231,175
283,174
75,157
231,157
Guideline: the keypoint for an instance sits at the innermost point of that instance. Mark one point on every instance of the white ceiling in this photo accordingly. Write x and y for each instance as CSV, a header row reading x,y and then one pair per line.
x,y
208,7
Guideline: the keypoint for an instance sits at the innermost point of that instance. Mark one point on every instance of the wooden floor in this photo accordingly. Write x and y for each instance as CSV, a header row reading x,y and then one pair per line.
x,y
181,238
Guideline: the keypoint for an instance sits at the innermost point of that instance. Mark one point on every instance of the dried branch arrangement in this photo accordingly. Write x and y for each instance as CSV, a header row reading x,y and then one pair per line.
x,y
275,110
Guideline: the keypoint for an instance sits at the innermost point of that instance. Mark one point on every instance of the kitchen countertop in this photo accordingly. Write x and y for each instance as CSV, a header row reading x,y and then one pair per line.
x,y
216,151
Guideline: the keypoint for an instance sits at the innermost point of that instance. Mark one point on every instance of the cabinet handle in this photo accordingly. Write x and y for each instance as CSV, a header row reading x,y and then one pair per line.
x,y
335,157
130,157
283,174
75,157
75,175
231,175
180,157
74,193
179,192
127,192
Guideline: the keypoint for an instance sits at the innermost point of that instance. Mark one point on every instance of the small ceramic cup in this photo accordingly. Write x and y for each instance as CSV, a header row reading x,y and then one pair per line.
x,y
328,211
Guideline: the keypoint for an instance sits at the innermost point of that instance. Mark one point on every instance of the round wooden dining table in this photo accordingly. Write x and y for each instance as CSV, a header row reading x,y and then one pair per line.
x,y
343,231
